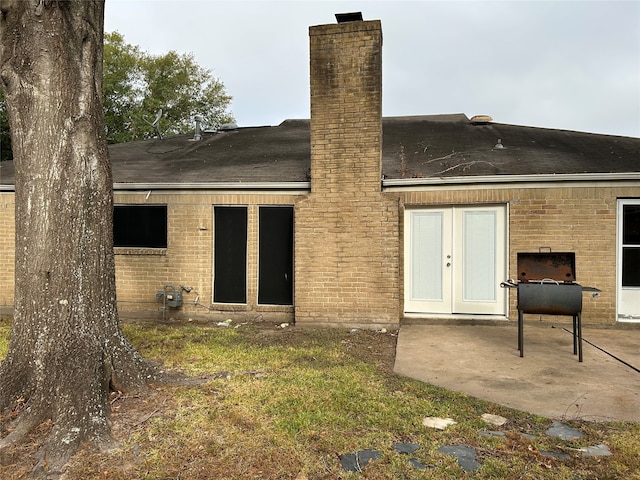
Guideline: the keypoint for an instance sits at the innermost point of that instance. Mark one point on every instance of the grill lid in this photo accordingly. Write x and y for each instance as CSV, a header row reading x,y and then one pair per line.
x,y
558,266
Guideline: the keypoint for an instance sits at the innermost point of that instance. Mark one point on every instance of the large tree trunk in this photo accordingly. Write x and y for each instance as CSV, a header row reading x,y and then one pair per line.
x,y
67,348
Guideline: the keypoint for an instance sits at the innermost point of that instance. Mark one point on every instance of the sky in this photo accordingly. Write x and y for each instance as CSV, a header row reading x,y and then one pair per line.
x,y
572,65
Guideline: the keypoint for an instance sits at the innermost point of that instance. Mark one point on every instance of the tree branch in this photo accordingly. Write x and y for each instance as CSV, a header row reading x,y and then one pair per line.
x,y
464,166
446,157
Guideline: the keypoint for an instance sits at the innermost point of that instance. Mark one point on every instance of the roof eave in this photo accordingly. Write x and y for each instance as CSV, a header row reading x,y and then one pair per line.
x,y
386,183
501,179
256,186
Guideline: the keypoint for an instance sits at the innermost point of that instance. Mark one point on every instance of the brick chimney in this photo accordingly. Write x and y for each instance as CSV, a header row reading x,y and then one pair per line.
x,y
346,234
346,106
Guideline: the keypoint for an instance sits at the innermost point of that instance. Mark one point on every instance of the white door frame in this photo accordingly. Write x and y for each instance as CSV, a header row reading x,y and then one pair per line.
x,y
451,256
628,298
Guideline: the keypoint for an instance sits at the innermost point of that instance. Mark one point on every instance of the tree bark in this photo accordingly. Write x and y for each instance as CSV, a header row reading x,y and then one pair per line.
x,y
67,348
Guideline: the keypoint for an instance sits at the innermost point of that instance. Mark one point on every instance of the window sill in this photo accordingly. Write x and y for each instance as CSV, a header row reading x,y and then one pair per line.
x,y
139,251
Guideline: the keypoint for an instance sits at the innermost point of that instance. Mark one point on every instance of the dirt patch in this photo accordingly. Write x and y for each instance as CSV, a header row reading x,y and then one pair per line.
x,y
131,416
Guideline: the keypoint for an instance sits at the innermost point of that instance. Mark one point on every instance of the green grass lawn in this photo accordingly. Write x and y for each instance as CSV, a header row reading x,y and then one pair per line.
x,y
285,403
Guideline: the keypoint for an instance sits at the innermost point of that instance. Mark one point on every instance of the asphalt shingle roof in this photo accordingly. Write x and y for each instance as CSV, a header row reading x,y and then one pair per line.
x,y
450,145
419,147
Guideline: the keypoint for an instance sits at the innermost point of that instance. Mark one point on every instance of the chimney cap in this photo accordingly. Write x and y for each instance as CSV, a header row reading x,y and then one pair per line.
x,y
349,17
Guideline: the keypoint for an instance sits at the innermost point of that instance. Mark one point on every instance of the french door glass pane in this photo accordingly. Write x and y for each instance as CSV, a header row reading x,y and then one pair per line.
x,y
426,256
479,271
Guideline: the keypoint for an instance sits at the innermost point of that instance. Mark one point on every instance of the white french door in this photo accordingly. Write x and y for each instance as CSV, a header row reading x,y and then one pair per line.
x,y
455,258
629,260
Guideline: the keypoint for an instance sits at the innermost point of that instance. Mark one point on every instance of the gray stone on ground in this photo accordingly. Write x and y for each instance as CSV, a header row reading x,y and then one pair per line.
x,y
417,464
466,456
551,454
563,432
405,447
354,462
595,451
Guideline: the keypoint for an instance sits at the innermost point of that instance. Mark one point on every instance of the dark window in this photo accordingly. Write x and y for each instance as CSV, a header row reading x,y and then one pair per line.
x,y
140,226
275,264
630,267
230,255
631,225
631,246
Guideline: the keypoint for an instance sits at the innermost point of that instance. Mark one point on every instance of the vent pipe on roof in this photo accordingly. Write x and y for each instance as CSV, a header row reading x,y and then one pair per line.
x,y
198,119
228,126
481,119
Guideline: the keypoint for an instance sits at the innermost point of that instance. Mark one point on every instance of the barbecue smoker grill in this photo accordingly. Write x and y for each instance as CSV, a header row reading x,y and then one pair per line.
x,y
546,285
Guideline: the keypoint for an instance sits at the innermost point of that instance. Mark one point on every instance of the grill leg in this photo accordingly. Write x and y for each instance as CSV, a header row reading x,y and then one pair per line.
x,y
520,332
579,337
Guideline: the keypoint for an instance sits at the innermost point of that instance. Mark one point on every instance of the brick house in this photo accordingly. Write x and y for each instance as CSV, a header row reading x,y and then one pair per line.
x,y
352,219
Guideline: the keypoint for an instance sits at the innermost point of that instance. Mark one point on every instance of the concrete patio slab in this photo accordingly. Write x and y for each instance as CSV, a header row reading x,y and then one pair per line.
x,y
484,362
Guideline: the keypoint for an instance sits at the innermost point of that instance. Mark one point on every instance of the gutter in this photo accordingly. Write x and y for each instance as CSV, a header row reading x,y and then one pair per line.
x,y
215,186
391,183
498,179
286,186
